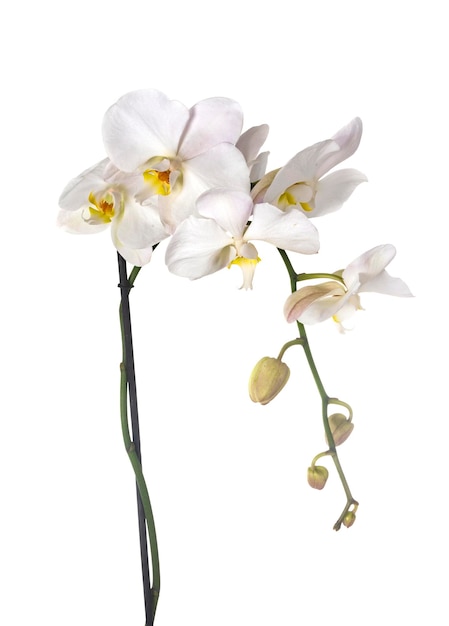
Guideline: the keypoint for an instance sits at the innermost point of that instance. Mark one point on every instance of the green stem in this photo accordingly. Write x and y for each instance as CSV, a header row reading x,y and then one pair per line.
x,y
351,504
132,445
286,346
141,484
313,276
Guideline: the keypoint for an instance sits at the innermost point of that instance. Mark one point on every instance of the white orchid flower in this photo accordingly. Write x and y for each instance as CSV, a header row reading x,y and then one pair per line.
x,y
102,196
249,144
221,236
332,299
178,152
301,182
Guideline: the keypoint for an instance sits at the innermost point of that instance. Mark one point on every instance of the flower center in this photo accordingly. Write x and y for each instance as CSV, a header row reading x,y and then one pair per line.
x,y
298,194
161,175
101,210
158,181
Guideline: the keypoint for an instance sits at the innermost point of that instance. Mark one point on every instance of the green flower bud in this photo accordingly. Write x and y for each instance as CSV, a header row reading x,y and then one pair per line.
x,y
349,519
317,476
267,379
340,427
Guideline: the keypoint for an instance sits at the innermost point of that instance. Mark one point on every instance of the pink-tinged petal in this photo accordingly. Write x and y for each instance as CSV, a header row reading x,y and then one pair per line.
x,y
76,193
211,121
333,190
141,125
139,227
199,247
314,303
348,140
386,284
368,265
252,140
289,230
301,168
73,222
229,208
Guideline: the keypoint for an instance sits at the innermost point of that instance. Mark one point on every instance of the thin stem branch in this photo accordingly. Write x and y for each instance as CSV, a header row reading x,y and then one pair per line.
x,y
316,275
351,504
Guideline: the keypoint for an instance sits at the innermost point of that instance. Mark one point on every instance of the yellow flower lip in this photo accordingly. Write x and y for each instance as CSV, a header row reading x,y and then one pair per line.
x,y
248,267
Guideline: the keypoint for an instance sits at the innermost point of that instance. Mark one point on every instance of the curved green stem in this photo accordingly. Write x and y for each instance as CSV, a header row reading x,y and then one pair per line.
x,y
305,276
289,344
141,484
326,401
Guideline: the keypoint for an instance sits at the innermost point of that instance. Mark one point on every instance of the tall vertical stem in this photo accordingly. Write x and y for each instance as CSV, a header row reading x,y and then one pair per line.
x,y
128,360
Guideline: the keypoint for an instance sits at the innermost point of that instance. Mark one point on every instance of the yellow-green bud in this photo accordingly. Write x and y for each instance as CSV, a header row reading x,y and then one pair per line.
x,y
267,379
349,519
317,476
340,427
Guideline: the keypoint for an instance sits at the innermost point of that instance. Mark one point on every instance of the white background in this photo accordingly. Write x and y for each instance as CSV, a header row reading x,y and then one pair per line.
x,y
243,539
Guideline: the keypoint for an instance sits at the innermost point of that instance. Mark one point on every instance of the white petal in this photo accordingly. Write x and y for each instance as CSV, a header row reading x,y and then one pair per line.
x,y
222,166
333,190
252,140
199,247
289,230
141,125
258,167
139,227
368,265
230,209
211,121
76,193
386,284
259,190
301,168
74,223
348,139
135,257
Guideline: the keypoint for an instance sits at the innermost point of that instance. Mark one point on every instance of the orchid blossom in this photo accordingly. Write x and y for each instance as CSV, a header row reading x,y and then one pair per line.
x,y
220,236
340,300
302,183
102,196
177,153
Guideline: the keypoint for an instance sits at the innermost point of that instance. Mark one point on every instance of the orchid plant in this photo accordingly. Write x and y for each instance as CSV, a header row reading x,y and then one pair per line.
x,y
190,176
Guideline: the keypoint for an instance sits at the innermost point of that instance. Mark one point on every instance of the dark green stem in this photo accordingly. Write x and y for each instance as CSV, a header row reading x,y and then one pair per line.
x,y
128,390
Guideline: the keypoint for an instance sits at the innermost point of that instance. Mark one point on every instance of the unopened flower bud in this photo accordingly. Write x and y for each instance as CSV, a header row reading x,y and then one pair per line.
x,y
267,379
340,427
317,476
349,519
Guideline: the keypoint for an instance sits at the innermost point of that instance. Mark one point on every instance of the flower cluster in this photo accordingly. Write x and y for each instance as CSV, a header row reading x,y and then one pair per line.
x,y
191,176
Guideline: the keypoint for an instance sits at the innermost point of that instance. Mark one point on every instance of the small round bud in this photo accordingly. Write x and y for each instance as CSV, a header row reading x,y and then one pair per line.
x,y
340,427
349,519
317,476
267,379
